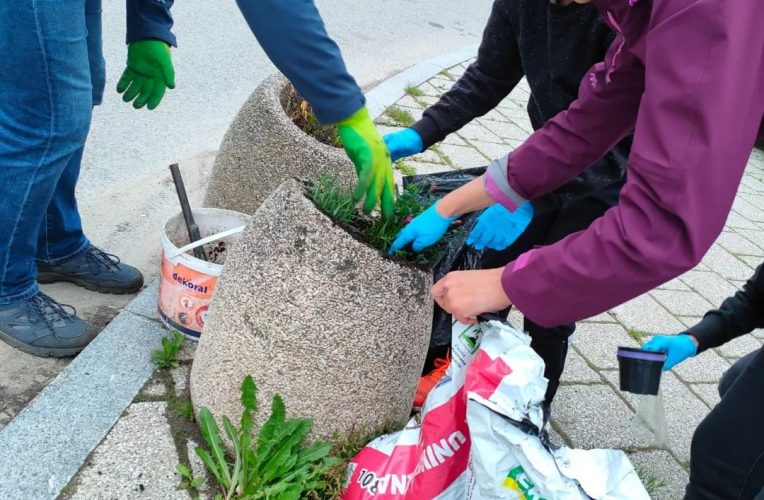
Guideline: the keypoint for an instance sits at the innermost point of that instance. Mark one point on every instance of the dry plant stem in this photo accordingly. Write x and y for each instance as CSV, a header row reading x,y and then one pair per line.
x,y
301,114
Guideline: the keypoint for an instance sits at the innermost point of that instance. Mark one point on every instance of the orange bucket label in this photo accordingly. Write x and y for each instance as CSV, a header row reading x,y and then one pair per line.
x,y
184,297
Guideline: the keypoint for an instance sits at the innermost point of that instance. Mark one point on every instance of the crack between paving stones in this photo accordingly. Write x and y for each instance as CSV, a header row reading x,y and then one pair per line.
x,y
469,143
628,405
561,432
566,383
179,436
678,377
443,156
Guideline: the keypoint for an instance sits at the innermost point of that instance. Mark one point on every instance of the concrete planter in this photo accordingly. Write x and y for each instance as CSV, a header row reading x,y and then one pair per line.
x,y
313,314
262,148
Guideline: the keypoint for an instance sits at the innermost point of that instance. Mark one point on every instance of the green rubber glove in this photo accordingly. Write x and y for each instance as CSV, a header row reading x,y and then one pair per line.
x,y
368,152
148,74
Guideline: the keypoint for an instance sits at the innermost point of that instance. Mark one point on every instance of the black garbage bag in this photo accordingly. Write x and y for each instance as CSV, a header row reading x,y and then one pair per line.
x,y
457,256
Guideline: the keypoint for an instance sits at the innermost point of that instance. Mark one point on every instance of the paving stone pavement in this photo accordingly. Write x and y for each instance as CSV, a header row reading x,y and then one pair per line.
x,y
590,411
136,460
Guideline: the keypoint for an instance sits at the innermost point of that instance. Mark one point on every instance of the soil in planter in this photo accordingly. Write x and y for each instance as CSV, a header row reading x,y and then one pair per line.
x,y
337,203
301,114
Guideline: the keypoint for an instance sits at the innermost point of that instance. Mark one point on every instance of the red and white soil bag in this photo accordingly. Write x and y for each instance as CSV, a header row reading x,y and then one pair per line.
x,y
478,437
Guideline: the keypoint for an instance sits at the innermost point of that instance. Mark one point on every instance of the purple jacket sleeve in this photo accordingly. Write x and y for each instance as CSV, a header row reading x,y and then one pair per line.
x,y
575,139
698,118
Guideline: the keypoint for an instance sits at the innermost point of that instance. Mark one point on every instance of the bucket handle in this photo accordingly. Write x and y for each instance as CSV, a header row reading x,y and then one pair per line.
x,y
209,239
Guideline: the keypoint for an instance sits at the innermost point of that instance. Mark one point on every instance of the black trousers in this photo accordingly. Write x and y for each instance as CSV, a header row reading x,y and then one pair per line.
x,y
727,453
547,228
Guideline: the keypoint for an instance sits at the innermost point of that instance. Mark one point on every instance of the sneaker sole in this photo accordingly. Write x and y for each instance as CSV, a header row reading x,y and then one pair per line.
x,y
47,278
43,352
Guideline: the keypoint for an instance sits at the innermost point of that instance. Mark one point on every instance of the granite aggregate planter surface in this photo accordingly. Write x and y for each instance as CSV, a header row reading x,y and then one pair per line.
x,y
312,313
262,148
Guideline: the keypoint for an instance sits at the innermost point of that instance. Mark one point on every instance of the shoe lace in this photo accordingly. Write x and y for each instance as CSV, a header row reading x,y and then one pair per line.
x,y
100,259
50,311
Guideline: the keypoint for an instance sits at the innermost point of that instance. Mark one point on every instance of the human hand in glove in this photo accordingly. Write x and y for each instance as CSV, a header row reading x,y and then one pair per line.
x,y
368,152
677,348
497,227
425,230
148,74
403,143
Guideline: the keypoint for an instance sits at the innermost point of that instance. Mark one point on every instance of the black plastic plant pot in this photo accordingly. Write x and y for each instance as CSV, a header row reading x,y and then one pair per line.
x,y
640,371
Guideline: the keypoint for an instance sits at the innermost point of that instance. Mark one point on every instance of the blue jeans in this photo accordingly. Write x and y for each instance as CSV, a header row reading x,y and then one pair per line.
x,y
51,75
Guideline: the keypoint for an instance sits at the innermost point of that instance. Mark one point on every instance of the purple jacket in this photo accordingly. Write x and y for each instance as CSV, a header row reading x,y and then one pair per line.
x,y
687,76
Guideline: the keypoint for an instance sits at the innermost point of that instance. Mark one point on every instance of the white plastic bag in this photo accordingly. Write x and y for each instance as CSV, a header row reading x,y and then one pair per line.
x,y
650,419
479,436
430,460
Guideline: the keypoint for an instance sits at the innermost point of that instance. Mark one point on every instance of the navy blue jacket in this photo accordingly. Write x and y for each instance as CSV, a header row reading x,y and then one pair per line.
x,y
293,35
149,19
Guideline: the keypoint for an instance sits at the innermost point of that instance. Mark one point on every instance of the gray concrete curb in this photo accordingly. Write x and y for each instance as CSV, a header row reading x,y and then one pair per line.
x,y
45,445
391,90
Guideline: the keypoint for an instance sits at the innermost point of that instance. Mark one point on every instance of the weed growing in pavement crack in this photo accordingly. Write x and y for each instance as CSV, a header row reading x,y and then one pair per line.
x,y
189,481
345,448
182,407
400,117
167,356
652,483
405,168
274,464
414,91
637,335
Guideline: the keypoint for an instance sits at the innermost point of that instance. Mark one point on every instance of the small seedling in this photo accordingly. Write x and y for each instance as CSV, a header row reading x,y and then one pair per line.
x,y
183,408
400,117
637,335
274,464
414,91
405,168
652,483
166,357
445,73
345,448
189,482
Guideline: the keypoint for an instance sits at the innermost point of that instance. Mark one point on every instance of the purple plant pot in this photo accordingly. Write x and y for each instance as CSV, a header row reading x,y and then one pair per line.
x,y
640,371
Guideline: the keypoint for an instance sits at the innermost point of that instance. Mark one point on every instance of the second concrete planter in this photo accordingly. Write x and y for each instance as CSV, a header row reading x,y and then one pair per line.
x,y
262,148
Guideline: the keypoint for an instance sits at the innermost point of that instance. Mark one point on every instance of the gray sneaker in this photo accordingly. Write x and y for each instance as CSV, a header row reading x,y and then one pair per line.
x,y
95,270
43,327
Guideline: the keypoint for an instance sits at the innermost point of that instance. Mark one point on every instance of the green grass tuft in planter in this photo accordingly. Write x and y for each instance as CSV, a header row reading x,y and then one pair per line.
x,y
337,203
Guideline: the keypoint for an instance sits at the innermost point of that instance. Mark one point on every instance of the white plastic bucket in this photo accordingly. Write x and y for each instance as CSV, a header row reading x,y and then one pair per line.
x,y
187,283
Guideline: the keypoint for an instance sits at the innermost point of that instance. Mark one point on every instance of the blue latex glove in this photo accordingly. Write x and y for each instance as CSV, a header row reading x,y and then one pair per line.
x,y
677,348
403,143
497,227
425,230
